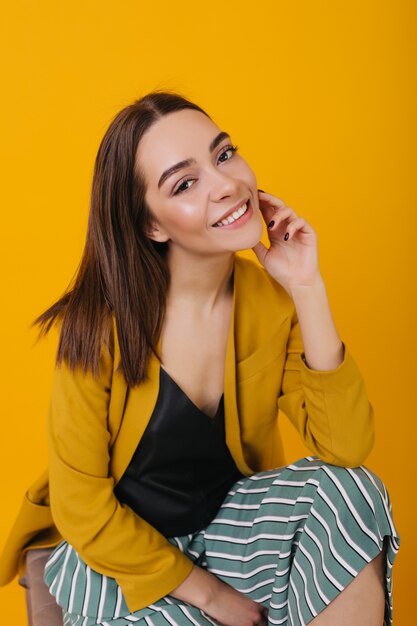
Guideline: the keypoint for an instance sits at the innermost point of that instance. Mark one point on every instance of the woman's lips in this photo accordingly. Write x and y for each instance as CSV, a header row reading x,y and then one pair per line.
x,y
240,220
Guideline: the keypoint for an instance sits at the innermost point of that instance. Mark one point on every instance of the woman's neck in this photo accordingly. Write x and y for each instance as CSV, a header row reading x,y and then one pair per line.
x,y
199,282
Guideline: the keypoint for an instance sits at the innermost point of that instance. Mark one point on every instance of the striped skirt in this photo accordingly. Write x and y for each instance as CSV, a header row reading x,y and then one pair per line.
x,y
291,538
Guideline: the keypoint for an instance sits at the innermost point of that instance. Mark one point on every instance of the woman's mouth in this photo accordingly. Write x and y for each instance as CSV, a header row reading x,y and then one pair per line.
x,y
237,218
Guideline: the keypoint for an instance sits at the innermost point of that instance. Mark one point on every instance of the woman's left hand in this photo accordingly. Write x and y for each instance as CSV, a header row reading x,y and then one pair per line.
x,y
293,262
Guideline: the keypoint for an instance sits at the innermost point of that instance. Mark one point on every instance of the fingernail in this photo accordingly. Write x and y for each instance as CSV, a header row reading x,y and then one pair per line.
x,y
286,236
261,190
271,223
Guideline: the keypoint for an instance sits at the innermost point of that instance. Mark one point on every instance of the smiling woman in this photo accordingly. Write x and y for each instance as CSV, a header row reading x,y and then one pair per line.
x,y
196,193
167,500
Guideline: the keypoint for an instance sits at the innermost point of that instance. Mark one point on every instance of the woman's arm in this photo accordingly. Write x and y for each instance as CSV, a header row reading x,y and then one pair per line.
x,y
323,392
323,348
110,537
330,407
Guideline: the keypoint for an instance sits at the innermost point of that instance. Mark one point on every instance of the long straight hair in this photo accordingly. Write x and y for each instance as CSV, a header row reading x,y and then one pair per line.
x,y
122,273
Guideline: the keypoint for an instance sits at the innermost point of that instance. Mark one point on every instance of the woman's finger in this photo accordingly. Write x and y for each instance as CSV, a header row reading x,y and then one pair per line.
x,y
270,199
268,204
281,215
298,224
261,251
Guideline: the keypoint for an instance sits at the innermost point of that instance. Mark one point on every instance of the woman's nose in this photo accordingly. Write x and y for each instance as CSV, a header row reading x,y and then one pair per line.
x,y
223,184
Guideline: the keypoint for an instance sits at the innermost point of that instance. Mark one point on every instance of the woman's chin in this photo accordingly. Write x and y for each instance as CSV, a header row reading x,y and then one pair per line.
x,y
253,235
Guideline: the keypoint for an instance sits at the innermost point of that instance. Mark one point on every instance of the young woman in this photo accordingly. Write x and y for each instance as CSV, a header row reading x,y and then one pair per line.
x,y
167,499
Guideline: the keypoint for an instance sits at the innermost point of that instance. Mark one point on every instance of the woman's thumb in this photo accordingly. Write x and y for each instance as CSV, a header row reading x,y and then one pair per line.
x,y
261,251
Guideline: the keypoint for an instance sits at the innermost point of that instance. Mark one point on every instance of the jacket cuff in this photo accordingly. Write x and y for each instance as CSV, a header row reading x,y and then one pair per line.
x,y
330,380
138,596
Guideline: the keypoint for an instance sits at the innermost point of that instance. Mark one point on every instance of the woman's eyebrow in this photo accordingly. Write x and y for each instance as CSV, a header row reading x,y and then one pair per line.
x,y
186,162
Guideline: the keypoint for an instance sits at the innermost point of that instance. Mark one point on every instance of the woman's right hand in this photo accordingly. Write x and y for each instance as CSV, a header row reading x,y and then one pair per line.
x,y
232,608
220,601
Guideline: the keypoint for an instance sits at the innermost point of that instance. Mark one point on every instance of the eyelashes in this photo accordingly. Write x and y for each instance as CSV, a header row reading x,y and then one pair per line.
x,y
233,148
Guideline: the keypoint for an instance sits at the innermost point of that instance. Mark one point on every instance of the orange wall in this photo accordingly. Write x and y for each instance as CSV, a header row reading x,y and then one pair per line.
x,y
321,99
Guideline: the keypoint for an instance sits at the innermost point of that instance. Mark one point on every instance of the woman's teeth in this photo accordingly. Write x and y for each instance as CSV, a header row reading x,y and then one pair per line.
x,y
234,216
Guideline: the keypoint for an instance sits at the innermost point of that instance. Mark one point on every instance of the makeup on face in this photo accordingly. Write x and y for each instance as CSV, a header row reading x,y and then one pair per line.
x,y
190,161
199,186
237,217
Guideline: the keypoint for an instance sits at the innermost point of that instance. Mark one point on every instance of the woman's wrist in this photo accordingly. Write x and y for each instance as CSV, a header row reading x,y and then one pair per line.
x,y
315,284
199,588
323,347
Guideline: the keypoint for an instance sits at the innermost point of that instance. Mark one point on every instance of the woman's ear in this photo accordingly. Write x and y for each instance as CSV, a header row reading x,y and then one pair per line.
x,y
157,233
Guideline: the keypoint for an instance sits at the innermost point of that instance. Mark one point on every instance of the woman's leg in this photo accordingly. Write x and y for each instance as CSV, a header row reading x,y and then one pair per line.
x,y
92,599
362,602
41,606
304,538
294,539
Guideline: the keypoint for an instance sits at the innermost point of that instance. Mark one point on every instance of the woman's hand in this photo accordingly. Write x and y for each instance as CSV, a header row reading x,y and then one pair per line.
x,y
220,601
293,261
232,608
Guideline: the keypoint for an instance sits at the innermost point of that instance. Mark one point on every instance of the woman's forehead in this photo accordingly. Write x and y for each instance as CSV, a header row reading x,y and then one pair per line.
x,y
175,137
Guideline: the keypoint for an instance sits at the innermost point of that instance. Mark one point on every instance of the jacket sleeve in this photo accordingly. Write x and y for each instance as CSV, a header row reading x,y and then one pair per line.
x,y
109,536
330,408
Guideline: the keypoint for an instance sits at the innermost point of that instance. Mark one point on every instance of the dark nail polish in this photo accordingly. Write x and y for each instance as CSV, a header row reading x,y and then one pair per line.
x,y
286,236
271,223
261,190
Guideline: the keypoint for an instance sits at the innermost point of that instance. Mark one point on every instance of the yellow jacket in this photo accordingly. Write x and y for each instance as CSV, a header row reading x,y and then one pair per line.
x,y
94,426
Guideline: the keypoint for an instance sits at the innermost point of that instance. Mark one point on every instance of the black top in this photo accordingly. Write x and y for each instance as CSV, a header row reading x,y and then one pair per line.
x,y
182,469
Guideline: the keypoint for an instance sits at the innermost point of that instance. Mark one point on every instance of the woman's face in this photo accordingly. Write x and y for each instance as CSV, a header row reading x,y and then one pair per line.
x,y
190,202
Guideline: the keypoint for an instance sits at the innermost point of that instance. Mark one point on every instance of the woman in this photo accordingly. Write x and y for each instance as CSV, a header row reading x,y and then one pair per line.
x,y
170,502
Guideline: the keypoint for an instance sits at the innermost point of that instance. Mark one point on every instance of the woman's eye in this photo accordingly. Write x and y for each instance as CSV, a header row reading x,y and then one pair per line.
x,y
181,187
231,149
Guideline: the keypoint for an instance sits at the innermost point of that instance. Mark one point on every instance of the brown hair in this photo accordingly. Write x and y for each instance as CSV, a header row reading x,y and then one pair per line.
x,y
122,272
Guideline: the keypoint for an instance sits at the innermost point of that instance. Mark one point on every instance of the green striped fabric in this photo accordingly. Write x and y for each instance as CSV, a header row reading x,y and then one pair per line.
x,y
291,539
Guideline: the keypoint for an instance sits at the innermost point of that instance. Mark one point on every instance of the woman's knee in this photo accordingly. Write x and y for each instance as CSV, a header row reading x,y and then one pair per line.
x,y
356,482
357,494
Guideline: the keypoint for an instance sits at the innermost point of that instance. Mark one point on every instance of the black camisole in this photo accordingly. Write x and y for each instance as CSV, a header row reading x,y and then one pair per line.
x,y
181,469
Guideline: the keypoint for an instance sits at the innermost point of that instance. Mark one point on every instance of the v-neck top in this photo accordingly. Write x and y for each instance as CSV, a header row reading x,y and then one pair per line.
x,y
181,469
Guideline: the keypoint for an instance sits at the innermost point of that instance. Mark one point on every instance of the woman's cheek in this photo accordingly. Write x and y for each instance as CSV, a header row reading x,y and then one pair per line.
x,y
186,218
194,216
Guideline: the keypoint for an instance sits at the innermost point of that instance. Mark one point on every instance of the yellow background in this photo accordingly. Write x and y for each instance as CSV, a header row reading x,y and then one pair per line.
x,y
321,98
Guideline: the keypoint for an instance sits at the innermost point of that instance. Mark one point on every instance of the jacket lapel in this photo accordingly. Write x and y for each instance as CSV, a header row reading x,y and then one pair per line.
x,y
232,424
138,409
